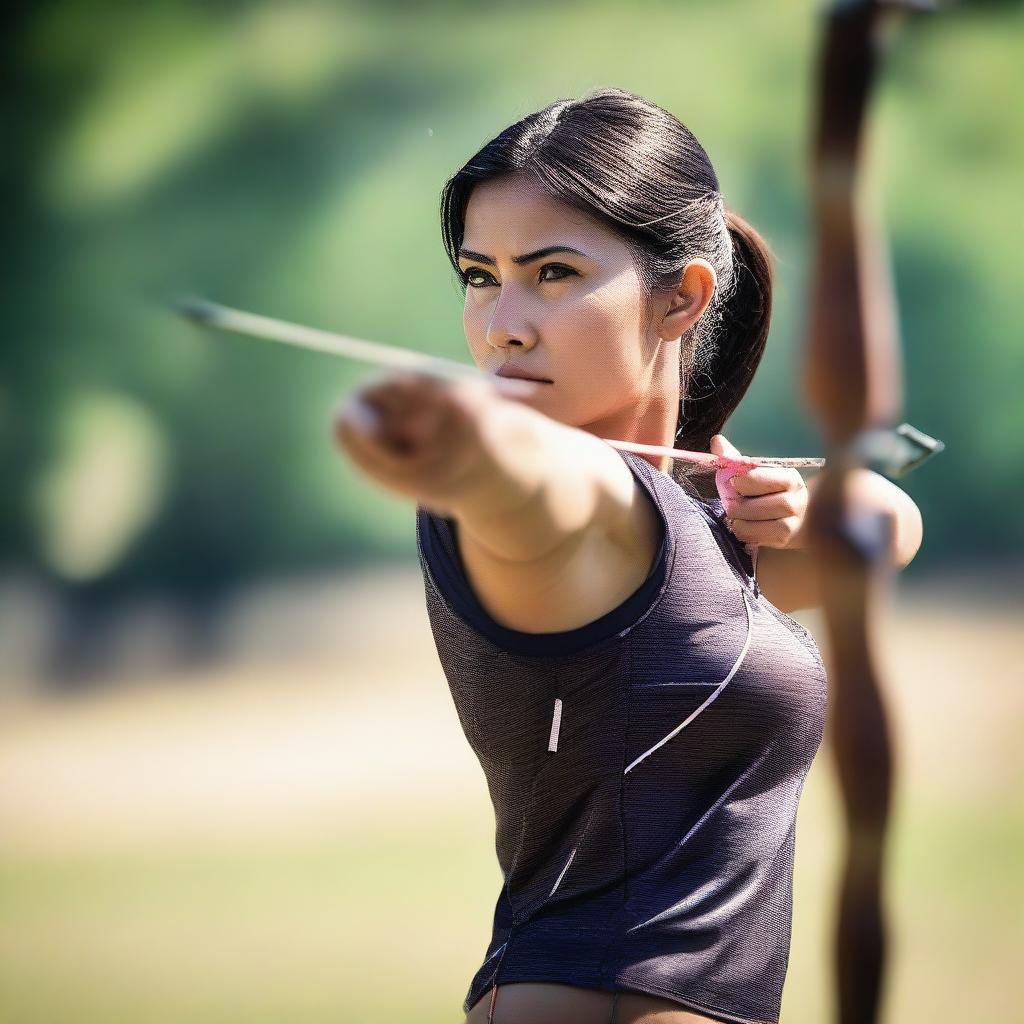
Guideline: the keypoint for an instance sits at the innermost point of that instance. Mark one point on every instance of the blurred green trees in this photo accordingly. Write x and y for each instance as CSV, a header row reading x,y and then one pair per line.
x,y
287,158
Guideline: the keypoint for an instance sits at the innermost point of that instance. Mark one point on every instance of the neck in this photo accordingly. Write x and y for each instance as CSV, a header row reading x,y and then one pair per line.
x,y
654,418
651,423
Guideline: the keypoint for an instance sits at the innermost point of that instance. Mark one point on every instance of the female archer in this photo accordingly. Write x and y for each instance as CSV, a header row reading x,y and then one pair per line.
x,y
614,632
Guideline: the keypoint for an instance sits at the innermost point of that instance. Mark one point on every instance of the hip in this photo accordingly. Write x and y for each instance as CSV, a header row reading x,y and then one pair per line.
x,y
549,1003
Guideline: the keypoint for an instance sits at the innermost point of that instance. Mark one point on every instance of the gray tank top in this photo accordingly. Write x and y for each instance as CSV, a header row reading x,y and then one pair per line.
x,y
645,770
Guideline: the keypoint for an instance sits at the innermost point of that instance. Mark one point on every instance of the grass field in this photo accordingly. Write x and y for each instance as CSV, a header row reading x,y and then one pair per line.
x,y
308,839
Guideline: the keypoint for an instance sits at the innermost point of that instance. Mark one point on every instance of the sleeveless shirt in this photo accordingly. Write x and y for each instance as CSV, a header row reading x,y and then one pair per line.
x,y
645,769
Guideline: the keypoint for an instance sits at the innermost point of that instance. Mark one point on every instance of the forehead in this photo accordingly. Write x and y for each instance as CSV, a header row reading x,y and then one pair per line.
x,y
514,215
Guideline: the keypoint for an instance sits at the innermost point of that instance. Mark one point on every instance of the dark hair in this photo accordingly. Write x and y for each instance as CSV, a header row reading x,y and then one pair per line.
x,y
634,167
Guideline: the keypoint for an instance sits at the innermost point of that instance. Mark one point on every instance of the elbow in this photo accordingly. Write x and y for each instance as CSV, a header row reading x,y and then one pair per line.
x,y
908,530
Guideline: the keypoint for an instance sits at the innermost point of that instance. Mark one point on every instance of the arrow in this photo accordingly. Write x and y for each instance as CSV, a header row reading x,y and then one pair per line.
x,y
211,314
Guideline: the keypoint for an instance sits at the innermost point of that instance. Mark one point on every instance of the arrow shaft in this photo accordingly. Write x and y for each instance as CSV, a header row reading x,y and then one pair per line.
x,y
211,314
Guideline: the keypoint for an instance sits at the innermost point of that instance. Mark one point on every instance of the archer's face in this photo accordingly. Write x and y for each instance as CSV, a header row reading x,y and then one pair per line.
x,y
576,319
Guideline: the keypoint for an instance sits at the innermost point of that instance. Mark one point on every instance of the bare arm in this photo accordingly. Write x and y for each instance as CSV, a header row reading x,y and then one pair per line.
x,y
539,484
520,484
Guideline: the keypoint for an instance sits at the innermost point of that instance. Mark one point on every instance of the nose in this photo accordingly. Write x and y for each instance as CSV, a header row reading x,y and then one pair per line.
x,y
509,326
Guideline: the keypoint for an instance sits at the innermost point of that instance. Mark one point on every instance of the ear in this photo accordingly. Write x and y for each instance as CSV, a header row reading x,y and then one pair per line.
x,y
686,307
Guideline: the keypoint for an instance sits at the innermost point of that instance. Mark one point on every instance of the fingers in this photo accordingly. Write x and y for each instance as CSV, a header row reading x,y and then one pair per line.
x,y
764,505
768,506
358,431
386,422
721,445
754,480
419,434
766,480
772,533
725,478
773,520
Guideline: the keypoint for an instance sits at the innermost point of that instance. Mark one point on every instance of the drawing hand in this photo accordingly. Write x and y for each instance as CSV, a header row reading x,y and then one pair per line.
x,y
764,505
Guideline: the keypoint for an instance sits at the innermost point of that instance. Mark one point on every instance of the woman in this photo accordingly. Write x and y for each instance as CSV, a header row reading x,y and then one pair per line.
x,y
644,711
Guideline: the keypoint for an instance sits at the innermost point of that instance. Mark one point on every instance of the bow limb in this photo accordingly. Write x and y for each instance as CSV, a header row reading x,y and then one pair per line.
x,y
852,383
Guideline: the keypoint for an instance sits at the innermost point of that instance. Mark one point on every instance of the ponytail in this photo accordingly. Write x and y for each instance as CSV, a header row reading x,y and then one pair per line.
x,y
715,384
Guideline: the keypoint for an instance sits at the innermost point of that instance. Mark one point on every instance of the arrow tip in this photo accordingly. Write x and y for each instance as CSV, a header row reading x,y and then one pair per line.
x,y
197,310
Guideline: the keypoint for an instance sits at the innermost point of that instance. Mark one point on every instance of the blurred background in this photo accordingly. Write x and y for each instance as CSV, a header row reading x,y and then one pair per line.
x,y
232,783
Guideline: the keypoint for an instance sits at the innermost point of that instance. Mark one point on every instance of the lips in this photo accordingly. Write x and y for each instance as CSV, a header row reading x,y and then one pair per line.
x,y
516,373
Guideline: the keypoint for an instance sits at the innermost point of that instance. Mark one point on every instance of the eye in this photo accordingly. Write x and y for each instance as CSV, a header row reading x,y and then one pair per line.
x,y
561,268
467,274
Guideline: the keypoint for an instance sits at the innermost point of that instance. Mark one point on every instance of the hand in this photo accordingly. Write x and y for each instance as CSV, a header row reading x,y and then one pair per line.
x,y
764,505
420,435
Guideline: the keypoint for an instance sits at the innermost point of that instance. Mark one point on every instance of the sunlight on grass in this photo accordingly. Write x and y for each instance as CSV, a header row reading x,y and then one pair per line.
x,y
308,902
343,930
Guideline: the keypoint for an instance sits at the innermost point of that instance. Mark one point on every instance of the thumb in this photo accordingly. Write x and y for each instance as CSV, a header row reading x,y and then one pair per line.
x,y
721,445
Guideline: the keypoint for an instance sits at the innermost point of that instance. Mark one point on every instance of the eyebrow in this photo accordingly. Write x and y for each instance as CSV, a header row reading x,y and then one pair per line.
x,y
528,257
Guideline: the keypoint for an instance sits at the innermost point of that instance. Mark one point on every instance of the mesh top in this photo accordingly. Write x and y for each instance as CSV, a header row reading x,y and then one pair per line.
x,y
645,770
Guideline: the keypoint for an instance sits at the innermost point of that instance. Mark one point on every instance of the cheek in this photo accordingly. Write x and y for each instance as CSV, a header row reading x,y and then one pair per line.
x,y
474,326
602,338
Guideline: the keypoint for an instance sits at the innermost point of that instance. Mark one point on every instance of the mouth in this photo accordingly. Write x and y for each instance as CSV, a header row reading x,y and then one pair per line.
x,y
513,373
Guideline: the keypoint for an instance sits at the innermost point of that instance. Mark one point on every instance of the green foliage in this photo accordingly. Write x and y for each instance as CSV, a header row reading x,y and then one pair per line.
x,y
288,159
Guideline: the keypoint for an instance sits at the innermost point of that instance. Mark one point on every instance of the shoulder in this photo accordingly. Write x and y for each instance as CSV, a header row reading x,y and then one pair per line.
x,y
583,592
634,516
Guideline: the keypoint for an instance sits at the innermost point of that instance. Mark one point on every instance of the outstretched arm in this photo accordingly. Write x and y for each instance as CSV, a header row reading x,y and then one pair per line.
x,y
520,484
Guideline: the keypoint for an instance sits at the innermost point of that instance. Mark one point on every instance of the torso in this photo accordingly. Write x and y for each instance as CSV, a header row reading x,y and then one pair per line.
x,y
566,826
576,586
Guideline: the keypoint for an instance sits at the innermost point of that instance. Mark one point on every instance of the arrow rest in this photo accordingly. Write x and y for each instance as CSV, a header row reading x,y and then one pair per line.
x,y
894,451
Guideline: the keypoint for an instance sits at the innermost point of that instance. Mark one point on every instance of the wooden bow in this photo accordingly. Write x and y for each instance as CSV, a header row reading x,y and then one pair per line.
x,y
852,384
